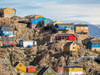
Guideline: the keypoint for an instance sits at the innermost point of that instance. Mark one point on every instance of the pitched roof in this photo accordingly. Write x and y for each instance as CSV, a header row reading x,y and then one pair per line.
x,y
81,25
42,71
7,38
95,41
87,39
74,66
64,34
16,64
68,43
6,28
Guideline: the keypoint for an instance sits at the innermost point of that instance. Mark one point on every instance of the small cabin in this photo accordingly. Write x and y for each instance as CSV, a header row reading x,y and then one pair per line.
x,y
69,37
7,12
58,70
8,41
80,28
73,70
31,69
20,67
71,47
6,30
84,42
57,22
94,44
64,26
27,43
45,22
34,22
47,71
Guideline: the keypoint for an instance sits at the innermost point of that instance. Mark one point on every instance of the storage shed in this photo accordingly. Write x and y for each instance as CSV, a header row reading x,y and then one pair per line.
x,y
31,69
27,43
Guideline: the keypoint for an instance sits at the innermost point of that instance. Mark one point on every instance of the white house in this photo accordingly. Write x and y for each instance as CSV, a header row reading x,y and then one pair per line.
x,y
27,43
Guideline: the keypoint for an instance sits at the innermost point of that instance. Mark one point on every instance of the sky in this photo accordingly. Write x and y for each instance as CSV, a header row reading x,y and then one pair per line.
x,y
80,11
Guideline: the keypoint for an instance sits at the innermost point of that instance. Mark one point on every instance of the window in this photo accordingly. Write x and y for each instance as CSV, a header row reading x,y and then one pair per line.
x,y
73,47
49,70
77,27
20,65
72,68
33,68
66,37
71,37
8,10
79,68
81,27
85,27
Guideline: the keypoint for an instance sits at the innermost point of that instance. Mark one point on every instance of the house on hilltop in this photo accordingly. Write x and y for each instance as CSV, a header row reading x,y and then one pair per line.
x,y
7,12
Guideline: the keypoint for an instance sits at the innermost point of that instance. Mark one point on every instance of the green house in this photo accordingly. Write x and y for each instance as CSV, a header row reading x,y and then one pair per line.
x,y
47,71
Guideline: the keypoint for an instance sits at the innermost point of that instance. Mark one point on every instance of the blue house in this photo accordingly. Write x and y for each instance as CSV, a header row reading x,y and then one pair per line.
x,y
93,44
6,30
64,26
34,22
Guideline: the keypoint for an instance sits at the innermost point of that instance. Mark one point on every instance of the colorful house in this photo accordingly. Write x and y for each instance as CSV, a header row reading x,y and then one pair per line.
x,y
73,70
94,44
45,22
57,22
47,71
69,37
6,30
81,28
20,67
58,70
84,42
31,69
71,47
27,43
8,41
64,26
7,12
34,22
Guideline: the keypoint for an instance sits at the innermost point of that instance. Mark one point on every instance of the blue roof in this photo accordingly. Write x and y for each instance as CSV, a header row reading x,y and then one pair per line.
x,y
36,21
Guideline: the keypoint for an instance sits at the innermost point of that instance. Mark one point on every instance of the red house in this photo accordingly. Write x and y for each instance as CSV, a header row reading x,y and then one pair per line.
x,y
8,41
31,69
69,37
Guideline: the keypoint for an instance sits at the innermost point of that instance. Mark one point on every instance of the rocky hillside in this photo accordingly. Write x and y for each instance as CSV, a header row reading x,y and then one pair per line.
x,y
44,55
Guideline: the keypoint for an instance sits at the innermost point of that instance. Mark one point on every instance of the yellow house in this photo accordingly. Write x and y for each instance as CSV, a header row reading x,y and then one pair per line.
x,y
81,28
9,12
73,70
20,67
71,46
58,22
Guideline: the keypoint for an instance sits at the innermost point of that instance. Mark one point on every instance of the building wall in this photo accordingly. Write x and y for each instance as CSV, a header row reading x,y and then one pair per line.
x,y
64,27
71,38
31,69
8,43
73,47
66,48
21,68
36,21
81,29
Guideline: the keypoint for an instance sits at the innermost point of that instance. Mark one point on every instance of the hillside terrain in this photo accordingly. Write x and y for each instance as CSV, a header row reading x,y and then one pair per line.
x,y
46,53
